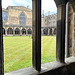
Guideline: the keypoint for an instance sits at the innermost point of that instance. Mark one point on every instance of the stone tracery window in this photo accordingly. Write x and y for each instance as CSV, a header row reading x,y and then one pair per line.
x,y
4,16
54,23
22,19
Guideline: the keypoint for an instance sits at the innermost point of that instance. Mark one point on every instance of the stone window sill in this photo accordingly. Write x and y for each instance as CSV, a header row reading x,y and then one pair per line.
x,y
45,67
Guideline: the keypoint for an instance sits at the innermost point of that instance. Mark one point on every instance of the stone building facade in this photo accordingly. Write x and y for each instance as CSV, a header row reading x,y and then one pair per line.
x,y
17,20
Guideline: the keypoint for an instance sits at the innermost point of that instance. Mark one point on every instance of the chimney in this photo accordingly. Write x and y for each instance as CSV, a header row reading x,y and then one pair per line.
x,y
28,6
48,13
42,13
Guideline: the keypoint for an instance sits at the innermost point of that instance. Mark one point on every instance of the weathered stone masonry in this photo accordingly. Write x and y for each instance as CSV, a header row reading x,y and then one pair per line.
x,y
17,20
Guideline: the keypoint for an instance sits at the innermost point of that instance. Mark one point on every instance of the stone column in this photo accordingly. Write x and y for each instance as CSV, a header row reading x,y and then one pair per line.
x,y
20,32
6,31
13,31
52,31
26,32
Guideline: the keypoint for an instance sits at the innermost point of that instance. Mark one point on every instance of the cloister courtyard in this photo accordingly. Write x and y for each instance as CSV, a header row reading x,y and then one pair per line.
x,y
18,51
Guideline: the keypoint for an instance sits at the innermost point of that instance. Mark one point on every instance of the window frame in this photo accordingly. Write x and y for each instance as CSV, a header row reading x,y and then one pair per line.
x,y
36,35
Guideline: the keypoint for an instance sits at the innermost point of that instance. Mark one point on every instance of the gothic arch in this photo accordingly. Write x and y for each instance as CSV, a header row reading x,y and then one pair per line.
x,y
9,31
54,31
17,31
23,31
45,31
29,31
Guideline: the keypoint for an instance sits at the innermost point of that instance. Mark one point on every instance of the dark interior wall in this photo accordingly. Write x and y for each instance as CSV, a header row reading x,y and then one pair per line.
x,y
65,70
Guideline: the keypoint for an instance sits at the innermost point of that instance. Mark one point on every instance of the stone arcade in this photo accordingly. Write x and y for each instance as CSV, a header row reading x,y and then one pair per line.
x,y
17,20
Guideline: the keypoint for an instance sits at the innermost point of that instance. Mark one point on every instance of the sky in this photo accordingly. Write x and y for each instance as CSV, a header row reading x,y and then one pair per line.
x,y
47,5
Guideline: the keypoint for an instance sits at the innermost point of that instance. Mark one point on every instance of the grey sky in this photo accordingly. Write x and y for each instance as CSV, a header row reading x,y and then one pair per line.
x,y
47,5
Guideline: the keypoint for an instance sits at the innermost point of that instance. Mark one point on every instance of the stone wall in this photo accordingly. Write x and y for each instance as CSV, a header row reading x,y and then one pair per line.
x,y
13,13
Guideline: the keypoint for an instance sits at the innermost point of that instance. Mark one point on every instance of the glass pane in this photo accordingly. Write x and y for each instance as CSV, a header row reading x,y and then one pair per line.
x,y
48,31
17,34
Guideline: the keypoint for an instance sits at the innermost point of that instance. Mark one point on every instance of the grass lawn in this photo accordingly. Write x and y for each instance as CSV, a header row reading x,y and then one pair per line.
x,y
18,51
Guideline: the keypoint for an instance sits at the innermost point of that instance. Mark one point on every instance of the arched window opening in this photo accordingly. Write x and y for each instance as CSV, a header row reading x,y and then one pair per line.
x,y
50,31
45,31
22,19
29,31
3,31
23,31
17,31
10,31
54,31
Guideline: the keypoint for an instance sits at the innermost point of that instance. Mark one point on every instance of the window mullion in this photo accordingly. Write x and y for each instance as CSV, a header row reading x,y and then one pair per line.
x,y
1,43
36,35
60,37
